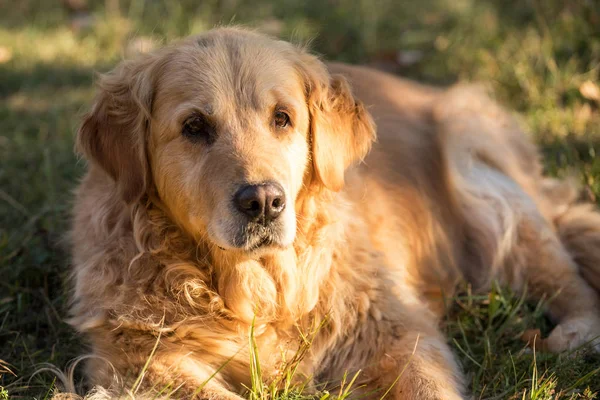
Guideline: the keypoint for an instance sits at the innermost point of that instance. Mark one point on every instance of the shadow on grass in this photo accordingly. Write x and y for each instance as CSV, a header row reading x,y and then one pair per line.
x,y
49,76
39,109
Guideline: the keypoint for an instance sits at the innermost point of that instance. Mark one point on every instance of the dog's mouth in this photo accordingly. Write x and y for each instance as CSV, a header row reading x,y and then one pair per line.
x,y
254,240
251,238
242,236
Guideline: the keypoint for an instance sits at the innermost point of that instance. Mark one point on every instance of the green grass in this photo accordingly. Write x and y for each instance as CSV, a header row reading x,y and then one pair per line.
x,y
537,56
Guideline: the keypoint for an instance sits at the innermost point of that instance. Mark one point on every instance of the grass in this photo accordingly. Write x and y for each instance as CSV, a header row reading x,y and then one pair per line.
x,y
541,58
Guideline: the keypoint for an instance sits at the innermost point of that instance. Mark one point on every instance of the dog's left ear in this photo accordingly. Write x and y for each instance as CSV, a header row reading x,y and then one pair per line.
x,y
342,130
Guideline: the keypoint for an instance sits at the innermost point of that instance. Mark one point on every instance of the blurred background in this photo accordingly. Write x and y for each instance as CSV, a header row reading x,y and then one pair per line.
x,y
541,58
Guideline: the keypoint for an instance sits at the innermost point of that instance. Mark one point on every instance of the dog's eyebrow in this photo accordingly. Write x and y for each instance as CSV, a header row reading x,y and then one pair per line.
x,y
285,100
183,110
205,40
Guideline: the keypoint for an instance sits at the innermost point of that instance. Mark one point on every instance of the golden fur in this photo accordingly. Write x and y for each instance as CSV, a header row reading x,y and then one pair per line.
x,y
361,260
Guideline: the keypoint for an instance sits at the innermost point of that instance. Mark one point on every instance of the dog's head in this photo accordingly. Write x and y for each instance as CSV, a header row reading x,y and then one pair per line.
x,y
227,128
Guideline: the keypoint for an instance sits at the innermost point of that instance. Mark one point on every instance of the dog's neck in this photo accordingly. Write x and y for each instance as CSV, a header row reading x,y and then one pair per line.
x,y
280,288
284,285
309,287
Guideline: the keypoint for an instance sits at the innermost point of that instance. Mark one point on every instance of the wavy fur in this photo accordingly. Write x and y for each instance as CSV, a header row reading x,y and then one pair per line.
x,y
452,190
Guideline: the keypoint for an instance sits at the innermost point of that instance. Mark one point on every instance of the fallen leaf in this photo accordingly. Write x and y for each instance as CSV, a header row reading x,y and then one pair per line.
x,y
590,90
5,54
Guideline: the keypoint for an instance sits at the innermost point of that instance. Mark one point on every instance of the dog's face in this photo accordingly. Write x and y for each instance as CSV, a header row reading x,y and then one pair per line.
x,y
227,128
229,148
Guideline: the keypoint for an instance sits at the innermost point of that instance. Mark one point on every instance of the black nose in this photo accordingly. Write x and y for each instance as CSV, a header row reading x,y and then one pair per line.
x,y
265,200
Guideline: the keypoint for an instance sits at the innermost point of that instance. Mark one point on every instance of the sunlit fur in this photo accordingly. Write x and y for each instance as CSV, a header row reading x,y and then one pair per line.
x,y
369,251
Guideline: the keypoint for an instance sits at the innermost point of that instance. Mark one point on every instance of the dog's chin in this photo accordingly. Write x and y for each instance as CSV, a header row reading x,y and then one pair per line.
x,y
253,245
260,245
263,247
259,249
253,239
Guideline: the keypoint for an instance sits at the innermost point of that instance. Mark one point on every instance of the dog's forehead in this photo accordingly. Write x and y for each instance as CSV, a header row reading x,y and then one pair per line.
x,y
245,71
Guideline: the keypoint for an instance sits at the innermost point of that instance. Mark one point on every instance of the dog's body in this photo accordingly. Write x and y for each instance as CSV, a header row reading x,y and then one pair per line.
x,y
452,190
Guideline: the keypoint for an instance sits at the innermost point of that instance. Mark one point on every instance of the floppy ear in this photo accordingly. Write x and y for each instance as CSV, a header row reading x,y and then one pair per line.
x,y
342,130
113,133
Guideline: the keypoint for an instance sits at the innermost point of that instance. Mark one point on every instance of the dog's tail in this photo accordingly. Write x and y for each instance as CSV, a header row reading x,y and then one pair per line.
x,y
579,230
475,127
577,225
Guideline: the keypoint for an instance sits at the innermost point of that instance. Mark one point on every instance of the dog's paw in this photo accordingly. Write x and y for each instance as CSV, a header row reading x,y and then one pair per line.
x,y
571,334
575,333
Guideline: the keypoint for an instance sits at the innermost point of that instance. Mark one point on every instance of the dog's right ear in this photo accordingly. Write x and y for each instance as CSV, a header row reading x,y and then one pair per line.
x,y
113,134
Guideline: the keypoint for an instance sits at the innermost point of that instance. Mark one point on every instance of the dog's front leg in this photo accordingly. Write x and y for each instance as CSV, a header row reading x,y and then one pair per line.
x,y
402,355
188,378
165,375
418,365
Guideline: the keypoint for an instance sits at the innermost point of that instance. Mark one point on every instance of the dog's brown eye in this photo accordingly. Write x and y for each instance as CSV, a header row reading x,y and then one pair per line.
x,y
197,127
281,119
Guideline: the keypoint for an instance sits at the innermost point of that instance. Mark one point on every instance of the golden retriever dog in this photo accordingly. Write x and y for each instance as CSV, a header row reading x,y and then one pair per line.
x,y
238,187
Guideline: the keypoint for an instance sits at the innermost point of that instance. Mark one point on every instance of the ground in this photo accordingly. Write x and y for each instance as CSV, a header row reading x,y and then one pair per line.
x,y
541,58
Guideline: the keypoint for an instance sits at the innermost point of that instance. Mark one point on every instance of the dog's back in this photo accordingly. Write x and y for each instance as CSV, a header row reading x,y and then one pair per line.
x,y
472,185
